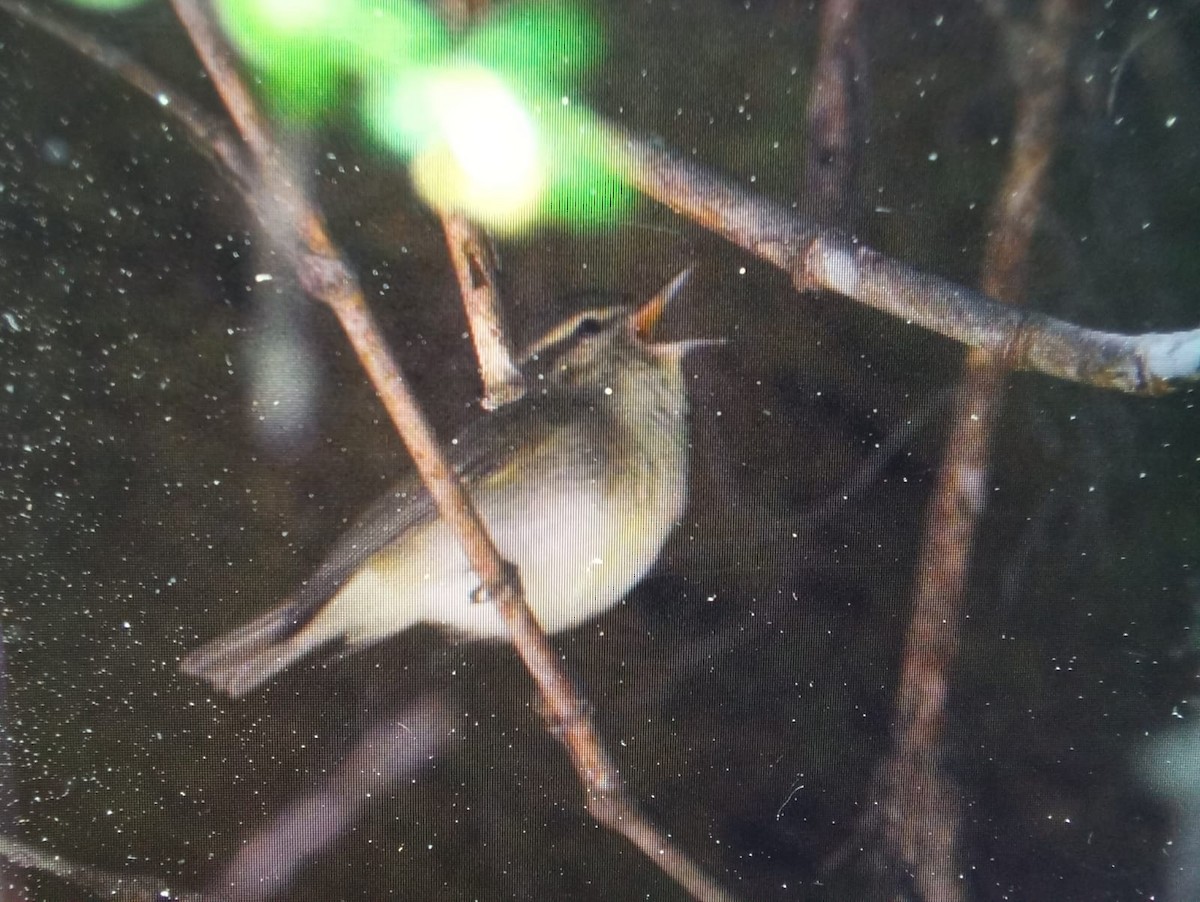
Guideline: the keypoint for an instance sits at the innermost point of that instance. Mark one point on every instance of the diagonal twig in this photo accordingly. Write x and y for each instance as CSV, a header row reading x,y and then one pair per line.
x,y
209,134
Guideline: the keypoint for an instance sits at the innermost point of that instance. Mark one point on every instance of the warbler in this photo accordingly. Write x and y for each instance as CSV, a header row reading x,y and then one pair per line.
x,y
579,484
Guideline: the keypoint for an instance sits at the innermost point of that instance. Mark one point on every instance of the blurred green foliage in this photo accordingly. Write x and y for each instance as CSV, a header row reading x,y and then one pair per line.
x,y
487,118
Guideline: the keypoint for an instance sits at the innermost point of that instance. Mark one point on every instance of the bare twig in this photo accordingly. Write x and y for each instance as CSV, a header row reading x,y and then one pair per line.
x,y
475,264
210,135
868,471
919,803
474,261
119,887
819,257
198,22
837,117
267,862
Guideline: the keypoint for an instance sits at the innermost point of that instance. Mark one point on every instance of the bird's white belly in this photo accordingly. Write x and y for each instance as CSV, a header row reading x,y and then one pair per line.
x,y
578,554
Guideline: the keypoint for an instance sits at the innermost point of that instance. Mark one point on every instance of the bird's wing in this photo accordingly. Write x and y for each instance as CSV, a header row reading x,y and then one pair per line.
x,y
481,450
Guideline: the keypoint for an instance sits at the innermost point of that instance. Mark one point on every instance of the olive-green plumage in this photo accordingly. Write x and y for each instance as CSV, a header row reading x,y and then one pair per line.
x,y
579,484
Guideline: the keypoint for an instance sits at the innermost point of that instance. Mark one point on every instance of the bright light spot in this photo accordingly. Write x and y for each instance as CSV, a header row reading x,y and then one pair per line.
x,y
296,15
485,155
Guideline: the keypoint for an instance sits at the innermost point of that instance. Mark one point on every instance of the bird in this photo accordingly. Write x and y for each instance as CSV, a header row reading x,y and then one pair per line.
x,y
579,483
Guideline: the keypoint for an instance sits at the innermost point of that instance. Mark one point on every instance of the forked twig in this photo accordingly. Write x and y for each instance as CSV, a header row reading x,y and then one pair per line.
x,y
210,135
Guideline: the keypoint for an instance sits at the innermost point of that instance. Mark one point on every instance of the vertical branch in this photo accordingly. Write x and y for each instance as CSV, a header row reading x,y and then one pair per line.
x,y
837,117
920,807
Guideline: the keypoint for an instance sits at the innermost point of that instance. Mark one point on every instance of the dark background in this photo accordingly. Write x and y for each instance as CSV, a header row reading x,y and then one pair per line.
x,y
745,688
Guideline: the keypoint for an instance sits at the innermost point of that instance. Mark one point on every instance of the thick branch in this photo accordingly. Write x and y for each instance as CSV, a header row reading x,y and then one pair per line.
x,y
819,257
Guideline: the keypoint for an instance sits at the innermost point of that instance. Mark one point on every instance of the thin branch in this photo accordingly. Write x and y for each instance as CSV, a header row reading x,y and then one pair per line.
x,y
198,23
475,264
474,261
920,805
837,117
106,884
268,861
209,134
867,473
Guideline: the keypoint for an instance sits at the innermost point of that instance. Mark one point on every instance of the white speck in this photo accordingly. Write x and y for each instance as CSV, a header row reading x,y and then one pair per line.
x,y
263,277
1171,120
163,98
933,156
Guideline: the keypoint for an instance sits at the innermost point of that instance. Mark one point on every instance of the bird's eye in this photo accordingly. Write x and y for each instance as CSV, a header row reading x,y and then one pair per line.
x,y
589,325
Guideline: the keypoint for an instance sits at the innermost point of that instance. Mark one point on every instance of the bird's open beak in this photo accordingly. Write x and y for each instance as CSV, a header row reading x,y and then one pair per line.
x,y
646,317
643,320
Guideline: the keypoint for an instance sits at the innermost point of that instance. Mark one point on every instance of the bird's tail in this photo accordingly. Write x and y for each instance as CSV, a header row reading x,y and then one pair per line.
x,y
250,655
